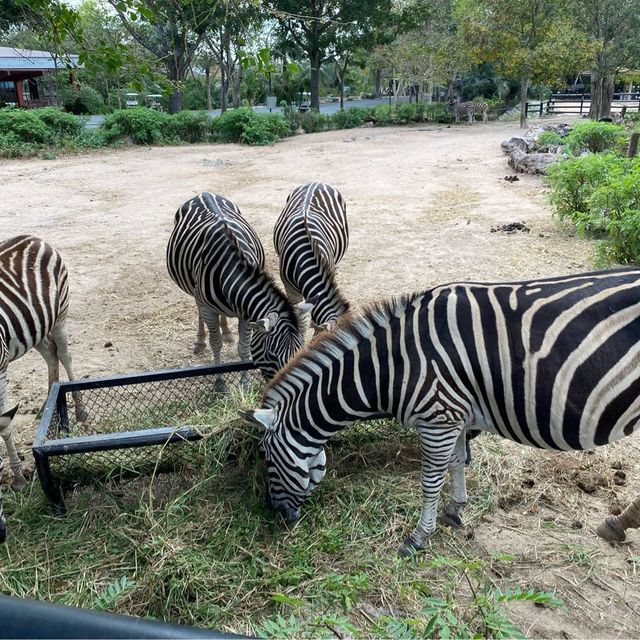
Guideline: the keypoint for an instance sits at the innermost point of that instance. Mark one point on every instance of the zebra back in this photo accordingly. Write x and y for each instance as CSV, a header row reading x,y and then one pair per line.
x,y
311,236
470,109
34,293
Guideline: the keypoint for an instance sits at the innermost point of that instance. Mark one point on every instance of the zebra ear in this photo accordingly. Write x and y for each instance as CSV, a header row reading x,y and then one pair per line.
x,y
7,417
265,324
262,417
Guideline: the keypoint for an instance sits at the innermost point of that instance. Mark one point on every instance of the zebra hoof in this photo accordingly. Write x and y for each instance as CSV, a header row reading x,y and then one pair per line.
x,y
19,482
452,519
198,348
408,548
610,530
81,415
227,337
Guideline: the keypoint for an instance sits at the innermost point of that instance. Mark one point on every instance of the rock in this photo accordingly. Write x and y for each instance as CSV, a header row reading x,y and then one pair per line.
x,y
534,163
514,143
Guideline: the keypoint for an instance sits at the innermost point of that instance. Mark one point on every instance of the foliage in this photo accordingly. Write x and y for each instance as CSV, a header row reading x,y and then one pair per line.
x,y
191,127
548,139
593,136
82,100
244,125
141,125
600,195
349,118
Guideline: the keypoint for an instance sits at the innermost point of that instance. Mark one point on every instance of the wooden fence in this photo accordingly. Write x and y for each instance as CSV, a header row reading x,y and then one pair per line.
x,y
579,104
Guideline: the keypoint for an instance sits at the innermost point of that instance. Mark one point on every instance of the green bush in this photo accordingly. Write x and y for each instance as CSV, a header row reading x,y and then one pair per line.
x,y
349,118
82,100
600,195
549,138
191,127
25,126
141,125
595,137
314,122
244,125
384,115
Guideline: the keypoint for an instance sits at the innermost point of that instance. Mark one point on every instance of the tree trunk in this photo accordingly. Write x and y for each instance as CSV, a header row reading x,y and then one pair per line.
x,y
223,88
207,76
524,88
314,59
378,91
175,101
601,95
175,76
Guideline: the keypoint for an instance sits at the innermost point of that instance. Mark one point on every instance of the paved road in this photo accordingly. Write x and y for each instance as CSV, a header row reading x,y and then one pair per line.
x,y
326,107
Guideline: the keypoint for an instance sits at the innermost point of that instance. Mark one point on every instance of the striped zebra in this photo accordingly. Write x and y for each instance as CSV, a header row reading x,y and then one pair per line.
x,y
311,236
34,301
551,363
214,255
470,110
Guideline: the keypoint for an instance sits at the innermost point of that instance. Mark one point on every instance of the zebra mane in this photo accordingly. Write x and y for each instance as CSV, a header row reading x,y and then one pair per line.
x,y
327,273
258,274
351,328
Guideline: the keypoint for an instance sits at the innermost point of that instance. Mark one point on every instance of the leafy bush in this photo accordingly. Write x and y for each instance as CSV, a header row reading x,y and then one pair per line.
x,y
25,126
143,126
82,100
191,127
549,138
314,122
600,195
595,137
349,118
384,115
244,125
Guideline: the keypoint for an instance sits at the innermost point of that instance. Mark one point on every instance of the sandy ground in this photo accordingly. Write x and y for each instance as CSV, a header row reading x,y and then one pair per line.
x,y
421,203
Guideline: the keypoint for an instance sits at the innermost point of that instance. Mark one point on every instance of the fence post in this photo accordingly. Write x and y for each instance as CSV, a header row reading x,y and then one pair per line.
x,y
633,145
581,102
541,103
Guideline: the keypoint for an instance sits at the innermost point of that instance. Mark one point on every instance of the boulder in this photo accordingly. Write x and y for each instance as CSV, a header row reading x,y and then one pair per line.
x,y
534,163
514,143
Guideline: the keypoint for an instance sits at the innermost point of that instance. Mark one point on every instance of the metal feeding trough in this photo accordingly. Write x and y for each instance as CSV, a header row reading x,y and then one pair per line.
x,y
135,424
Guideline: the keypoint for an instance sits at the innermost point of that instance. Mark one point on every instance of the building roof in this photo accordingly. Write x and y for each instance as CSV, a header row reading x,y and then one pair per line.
x,y
31,60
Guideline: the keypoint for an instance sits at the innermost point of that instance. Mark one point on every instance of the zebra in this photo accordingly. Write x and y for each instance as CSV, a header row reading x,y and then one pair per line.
x,y
311,236
552,363
214,255
470,109
34,302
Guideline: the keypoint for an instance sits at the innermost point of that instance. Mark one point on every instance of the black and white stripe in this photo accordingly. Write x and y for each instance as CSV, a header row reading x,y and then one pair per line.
x,y
470,110
311,236
34,302
552,363
214,255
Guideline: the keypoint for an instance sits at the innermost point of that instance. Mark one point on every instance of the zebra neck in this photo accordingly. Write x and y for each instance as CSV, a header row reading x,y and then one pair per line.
x,y
255,295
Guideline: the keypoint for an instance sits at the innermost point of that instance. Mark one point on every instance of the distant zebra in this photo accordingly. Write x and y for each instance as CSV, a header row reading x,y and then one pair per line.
x,y
214,255
552,363
470,109
34,301
311,236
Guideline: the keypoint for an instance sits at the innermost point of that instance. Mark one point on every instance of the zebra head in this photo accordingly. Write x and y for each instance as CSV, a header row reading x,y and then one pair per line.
x,y
276,338
5,422
294,469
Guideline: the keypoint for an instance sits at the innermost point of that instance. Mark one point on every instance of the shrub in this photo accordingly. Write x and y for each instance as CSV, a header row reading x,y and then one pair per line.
x,y
191,127
143,126
244,125
600,195
349,118
595,137
549,138
24,125
82,100
384,115
61,124
314,122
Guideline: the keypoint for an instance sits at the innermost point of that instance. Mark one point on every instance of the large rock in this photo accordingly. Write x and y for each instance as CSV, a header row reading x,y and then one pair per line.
x,y
534,163
514,143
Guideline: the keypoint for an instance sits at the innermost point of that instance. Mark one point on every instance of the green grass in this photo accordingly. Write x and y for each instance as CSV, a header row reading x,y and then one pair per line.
x,y
199,546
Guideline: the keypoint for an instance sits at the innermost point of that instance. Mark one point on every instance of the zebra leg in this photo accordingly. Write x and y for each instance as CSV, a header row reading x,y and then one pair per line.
x,y
458,498
47,349
199,345
6,433
244,347
437,445
613,528
227,334
61,343
212,320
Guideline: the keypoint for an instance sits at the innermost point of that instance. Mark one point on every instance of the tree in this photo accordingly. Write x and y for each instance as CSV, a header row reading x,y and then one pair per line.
x,y
316,27
612,29
531,40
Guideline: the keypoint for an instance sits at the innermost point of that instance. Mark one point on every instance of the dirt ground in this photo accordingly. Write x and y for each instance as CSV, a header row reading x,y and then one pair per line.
x,y
421,203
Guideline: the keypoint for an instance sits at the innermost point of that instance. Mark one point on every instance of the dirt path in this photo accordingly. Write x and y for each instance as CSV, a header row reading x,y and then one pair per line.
x,y
421,203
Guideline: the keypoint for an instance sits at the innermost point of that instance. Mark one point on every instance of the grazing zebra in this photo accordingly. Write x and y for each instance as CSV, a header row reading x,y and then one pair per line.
x,y
311,237
552,363
470,109
34,300
214,255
